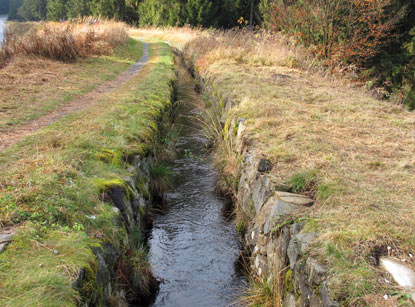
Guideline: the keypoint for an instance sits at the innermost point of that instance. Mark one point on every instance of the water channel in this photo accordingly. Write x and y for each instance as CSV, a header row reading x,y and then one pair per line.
x,y
193,246
3,19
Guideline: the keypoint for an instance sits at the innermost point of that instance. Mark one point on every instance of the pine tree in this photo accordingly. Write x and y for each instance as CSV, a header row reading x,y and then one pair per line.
x,y
77,8
14,6
34,9
201,13
131,11
159,13
56,10
103,8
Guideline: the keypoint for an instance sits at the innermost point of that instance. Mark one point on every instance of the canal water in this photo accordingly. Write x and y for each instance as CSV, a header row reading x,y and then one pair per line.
x,y
193,246
3,19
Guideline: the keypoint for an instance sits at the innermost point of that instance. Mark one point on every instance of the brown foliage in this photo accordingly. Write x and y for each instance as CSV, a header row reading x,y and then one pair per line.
x,y
345,31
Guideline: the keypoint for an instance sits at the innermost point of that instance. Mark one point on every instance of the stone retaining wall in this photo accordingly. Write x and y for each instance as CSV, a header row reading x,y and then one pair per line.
x,y
132,203
274,238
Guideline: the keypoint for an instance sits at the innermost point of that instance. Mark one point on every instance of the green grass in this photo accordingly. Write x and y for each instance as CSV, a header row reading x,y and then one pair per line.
x,y
303,182
160,179
52,182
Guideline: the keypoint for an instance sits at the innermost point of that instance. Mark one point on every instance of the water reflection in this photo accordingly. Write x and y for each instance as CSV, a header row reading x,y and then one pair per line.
x,y
193,247
3,19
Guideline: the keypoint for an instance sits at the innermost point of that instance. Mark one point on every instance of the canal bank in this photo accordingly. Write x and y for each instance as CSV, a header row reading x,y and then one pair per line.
x,y
194,246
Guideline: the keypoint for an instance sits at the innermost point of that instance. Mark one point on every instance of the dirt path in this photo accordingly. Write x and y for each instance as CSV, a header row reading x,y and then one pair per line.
x,y
16,134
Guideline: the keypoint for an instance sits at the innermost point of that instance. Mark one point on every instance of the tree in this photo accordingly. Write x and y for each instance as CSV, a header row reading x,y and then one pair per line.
x,y
56,10
13,7
131,11
352,31
200,13
77,8
159,13
34,9
104,8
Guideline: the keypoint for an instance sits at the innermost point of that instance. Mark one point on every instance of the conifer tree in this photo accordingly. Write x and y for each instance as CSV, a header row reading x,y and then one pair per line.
x,y
13,7
103,8
77,8
159,13
201,13
34,9
56,10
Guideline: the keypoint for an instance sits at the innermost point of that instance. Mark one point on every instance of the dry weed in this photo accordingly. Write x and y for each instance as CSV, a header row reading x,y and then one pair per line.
x,y
66,41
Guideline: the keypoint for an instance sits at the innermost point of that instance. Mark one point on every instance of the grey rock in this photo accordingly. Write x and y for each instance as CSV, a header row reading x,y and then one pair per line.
x,y
316,271
123,204
325,297
279,209
263,216
132,183
295,199
285,238
133,170
289,301
264,165
5,238
315,301
261,265
295,228
298,245
301,282
304,240
135,207
281,187
262,190
143,168
110,253
103,276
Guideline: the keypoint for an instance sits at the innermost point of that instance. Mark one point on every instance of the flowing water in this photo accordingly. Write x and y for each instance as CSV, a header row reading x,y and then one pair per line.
x,y
3,19
193,246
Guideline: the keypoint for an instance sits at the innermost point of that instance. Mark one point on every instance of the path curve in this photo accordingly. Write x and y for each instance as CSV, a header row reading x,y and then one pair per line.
x,y
16,134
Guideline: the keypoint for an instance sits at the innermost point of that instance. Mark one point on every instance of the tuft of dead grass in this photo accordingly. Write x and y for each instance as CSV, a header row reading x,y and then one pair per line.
x,y
255,48
66,41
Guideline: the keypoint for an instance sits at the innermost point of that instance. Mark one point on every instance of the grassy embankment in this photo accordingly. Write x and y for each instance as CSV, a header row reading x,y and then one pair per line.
x,y
53,182
325,138
32,86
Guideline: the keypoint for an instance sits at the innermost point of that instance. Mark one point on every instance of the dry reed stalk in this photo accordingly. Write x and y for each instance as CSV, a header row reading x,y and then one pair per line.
x,y
66,41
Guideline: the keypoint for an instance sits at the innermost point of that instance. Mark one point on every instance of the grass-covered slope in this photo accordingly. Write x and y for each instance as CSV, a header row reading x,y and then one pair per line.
x,y
352,153
52,185
32,87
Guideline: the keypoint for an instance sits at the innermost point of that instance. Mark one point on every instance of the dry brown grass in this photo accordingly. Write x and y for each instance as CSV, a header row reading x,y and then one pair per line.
x,y
66,41
361,149
32,86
